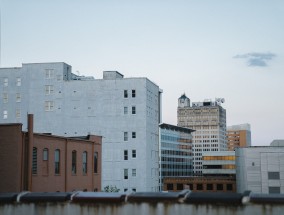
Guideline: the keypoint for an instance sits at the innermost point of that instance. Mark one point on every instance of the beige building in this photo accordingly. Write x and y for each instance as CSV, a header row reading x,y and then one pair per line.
x,y
238,136
208,119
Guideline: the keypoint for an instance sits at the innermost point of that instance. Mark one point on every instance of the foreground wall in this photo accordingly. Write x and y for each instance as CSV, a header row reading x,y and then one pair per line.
x,y
185,202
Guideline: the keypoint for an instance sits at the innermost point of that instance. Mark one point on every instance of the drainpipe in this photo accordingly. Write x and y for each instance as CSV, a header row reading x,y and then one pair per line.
x,y
30,148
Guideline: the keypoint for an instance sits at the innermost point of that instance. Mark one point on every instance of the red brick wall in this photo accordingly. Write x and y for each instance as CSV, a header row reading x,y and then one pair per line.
x,y
10,157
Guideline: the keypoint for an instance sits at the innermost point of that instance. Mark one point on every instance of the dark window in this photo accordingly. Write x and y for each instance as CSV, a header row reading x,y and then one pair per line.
x,y
170,187
274,189
133,153
133,93
34,162
219,186
85,158
134,189
190,186
199,186
133,134
125,155
74,162
133,110
229,187
45,154
57,161
96,162
209,186
125,173
125,189
125,94
273,175
125,136
179,186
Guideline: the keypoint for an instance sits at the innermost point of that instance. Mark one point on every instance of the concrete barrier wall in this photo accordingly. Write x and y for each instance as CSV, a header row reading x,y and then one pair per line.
x,y
185,202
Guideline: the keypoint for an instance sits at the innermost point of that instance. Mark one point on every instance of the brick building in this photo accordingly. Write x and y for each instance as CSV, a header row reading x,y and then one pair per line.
x,y
47,163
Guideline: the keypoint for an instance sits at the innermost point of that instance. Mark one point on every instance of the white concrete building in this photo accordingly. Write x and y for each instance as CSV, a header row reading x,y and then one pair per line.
x,y
261,168
125,111
208,119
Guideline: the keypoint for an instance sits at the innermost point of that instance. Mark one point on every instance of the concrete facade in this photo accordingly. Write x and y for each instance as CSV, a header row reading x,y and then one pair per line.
x,y
208,119
28,162
124,111
238,136
175,152
260,169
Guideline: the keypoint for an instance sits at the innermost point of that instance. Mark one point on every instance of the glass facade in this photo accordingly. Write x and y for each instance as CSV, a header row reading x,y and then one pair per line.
x,y
175,152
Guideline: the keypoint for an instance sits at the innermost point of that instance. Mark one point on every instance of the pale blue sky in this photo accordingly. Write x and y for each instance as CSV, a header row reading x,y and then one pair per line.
x,y
205,48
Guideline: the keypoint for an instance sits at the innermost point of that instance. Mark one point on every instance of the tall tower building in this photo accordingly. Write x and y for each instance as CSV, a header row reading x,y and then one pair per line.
x,y
238,136
124,111
208,119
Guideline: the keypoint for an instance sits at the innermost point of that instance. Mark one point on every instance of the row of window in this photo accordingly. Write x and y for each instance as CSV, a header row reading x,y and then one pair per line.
x,y
133,173
133,110
6,82
125,154
133,93
125,135
57,160
5,97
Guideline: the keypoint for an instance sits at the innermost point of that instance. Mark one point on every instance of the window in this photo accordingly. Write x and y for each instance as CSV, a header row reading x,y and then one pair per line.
x,y
18,82
273,189
125,173
96,162
45,154
49,73
133,93
5,82
133,135
133,172
48,89
34,162
170,187
125,110
18,97
57,161
134,189
219,186
274,175
85,156
179,186
49,105
199,187
18,113
125,155
125,136
229,187
133,110
5,114
133,153
74,162
125,189
125,94
5,97
59,77
209,186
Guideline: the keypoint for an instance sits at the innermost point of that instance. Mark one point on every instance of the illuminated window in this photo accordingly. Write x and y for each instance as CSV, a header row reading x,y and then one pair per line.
x,y
5,114
5,82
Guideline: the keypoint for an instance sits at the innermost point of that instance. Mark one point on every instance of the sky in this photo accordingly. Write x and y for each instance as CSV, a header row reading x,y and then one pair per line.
x,y
206,49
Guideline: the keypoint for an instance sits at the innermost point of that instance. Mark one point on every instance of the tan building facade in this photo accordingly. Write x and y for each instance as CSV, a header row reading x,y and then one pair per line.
x,y
47,163
238,136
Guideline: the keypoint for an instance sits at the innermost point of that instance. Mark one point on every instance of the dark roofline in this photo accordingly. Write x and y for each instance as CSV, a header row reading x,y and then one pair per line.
x,y
176,128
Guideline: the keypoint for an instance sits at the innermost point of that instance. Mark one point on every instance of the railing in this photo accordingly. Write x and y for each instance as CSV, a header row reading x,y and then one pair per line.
x,y
144,203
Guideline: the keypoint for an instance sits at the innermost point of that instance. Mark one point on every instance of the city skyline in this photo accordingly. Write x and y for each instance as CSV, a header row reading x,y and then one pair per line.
x,y
206,49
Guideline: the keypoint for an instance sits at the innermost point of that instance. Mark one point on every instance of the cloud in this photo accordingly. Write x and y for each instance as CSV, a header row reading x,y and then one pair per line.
x,y
257,58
